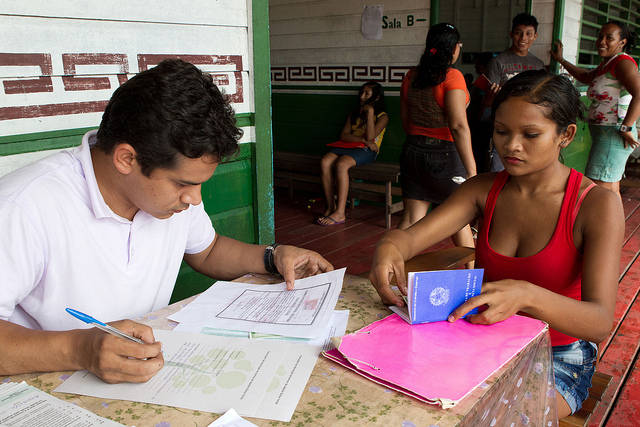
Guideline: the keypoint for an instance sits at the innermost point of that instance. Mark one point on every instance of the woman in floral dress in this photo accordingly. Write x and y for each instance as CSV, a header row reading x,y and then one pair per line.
x,y
614,91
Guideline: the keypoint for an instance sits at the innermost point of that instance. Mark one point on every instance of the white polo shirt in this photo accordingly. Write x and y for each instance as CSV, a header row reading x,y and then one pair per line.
x,y
62,246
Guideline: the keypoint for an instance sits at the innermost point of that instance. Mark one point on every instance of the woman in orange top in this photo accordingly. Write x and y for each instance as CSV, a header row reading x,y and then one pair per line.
x,y
437,155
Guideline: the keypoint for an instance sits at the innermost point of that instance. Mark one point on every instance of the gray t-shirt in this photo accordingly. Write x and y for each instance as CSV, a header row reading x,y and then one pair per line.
x,y
508,64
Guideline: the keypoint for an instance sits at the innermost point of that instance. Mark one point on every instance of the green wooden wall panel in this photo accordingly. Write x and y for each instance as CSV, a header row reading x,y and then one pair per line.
x,y
40,141
58,139
306,122
237,223
230,187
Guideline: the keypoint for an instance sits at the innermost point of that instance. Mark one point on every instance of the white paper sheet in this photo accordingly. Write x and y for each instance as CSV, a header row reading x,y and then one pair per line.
x,y
303,312
24,406
371,22
231,419
258,378
336,328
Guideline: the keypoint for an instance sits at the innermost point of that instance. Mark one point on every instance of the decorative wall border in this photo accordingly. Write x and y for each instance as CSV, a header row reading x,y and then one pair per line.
x,y
338,73
27,86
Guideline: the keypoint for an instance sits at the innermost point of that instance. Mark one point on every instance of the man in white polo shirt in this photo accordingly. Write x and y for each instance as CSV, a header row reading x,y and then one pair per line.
x,y
103,229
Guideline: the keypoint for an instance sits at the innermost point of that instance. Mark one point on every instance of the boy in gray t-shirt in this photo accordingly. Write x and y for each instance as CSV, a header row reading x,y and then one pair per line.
x,y
516,59
508,64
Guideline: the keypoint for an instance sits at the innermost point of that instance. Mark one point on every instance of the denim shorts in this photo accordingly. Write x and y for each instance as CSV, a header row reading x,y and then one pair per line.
x,y
427,167
573,368
362,156
608,155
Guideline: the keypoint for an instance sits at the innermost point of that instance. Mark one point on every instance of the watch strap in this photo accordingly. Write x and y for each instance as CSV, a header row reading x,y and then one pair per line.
x,y
269,258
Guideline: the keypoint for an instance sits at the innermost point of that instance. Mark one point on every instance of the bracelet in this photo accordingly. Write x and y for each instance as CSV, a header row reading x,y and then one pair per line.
x,y
269,258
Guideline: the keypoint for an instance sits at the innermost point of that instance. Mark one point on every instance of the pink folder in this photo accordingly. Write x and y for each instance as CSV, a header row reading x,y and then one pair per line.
x,y
439,362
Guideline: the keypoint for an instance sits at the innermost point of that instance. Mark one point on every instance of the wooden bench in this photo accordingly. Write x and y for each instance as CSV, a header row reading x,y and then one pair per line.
x,y
600,383
374,181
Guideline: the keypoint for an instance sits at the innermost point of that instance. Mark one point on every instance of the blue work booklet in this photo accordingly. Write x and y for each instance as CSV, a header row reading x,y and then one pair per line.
x,y
433,295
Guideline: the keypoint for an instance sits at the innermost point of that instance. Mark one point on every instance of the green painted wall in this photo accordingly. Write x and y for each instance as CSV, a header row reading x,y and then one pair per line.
x,y
229,198
305,122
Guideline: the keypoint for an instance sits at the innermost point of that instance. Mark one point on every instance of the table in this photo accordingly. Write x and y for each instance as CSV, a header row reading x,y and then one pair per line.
x,y
521,393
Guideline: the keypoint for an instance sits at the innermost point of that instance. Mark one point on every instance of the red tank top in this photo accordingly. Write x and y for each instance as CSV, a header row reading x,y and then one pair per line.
x,y
557,267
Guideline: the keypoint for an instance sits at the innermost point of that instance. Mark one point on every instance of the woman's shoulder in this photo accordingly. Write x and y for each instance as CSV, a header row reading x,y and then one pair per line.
x,y
599,204
454,79
624,59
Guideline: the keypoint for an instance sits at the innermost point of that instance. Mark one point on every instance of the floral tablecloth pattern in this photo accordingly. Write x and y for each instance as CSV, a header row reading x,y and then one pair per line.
x,y
520,394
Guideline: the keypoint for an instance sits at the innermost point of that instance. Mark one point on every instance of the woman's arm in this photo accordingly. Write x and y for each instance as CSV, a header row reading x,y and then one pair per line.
x,y
397,246
346,134
627,74
374,127
582,75
455,105
601,225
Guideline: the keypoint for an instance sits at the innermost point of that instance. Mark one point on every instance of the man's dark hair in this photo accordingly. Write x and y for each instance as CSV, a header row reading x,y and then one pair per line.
x,y
173,108
553,91
525,19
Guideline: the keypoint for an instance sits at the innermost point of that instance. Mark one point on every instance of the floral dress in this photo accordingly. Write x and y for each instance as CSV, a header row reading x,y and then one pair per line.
x,y
609,104
609,98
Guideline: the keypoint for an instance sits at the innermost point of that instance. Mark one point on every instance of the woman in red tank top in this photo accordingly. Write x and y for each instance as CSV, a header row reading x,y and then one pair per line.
x,y
549,241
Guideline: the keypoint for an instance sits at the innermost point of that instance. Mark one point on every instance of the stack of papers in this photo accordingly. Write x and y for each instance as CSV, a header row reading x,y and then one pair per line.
x,y
245,346
24,406
267,311
262,379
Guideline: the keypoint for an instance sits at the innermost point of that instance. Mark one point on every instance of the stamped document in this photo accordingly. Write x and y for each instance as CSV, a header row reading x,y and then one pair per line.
x,y
263,379
270,309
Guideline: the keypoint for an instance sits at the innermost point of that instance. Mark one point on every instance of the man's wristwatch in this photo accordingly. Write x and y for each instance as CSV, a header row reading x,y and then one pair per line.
x,y
625,128
269,259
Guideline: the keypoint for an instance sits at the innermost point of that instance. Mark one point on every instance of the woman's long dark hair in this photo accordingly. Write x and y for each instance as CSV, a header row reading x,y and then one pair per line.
x,y
437,56
376,100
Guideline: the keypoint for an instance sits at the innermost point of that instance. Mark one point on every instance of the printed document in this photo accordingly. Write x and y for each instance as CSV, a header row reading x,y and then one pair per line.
x,y
270,309
257,378
22,405
336,328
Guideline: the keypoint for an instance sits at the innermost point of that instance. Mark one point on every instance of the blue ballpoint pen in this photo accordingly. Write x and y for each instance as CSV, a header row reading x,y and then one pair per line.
x,y
100,325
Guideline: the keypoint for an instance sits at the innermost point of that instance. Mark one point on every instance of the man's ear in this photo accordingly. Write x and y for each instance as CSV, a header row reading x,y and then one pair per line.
x,y
124,158
568,135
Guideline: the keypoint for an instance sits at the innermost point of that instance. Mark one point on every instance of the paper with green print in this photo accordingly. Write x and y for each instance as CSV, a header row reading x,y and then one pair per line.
x,y
257,378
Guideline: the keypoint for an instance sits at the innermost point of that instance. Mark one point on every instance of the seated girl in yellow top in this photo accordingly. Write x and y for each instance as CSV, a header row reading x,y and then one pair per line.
x,y
359,144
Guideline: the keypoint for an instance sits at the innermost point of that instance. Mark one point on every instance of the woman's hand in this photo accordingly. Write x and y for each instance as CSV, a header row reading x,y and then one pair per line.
x,y
503,299
368,109
556,51
388,262
629,140
372,146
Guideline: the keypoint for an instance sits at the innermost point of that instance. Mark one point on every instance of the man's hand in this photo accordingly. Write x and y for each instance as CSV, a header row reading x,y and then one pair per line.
x,y
115,359
490,94
295,263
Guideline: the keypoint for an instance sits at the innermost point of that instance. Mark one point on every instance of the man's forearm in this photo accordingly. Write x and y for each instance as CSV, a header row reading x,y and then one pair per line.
x,y
25,350
230,258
